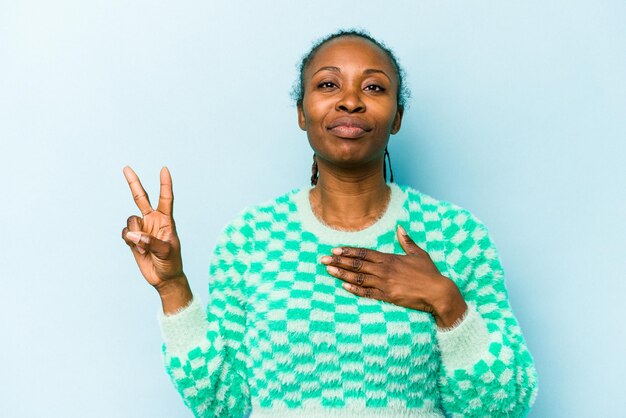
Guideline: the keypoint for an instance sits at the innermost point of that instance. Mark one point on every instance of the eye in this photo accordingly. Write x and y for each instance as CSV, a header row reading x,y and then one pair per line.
x,y
375,87
326,85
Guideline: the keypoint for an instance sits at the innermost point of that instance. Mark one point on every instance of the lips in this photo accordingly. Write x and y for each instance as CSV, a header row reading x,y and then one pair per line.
x,y
349,127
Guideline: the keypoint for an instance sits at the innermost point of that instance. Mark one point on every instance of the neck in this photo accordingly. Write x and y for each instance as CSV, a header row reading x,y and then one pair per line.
x,y
349,200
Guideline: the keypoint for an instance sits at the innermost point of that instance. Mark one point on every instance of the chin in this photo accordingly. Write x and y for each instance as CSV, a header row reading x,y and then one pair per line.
x,y
348,152
352,161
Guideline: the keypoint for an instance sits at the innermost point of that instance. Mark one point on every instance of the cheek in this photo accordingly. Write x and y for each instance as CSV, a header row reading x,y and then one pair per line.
x,y
313,119
315,111
389,117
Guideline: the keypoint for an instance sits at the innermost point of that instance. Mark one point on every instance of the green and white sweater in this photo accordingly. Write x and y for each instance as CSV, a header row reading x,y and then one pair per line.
x,y
282,338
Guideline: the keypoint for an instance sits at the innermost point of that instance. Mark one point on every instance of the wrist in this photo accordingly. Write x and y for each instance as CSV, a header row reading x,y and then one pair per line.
x,y
450,305
175,294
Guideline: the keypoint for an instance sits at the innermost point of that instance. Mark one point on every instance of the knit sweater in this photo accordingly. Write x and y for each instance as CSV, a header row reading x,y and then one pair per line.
x,y
281,337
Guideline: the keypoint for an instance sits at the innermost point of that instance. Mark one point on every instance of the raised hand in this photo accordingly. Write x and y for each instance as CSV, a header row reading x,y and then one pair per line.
x,y
154,242
410,280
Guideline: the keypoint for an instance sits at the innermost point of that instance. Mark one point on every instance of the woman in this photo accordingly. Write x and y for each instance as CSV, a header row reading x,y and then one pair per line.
x,y
356,297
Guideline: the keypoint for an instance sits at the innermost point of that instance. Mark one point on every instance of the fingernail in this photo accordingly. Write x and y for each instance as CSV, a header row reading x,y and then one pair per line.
x,y
326,259
346,286
133,236
332,269
337,251
141,250
402,231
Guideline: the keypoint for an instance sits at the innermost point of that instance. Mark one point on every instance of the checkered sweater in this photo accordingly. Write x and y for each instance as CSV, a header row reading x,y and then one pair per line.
x,y
281,338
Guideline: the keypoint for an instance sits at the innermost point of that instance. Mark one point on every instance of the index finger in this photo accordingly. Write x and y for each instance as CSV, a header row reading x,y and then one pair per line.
x,y
360,253
166,197
139,194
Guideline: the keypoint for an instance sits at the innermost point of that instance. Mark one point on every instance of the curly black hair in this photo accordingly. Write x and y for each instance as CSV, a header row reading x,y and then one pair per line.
x,y
403,92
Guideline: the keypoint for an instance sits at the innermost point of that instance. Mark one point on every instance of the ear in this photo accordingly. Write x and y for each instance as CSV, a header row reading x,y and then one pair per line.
x,y
397,121
301,118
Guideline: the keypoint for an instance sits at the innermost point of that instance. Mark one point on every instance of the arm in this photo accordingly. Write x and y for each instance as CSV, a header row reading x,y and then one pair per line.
x,y
202,350
487,369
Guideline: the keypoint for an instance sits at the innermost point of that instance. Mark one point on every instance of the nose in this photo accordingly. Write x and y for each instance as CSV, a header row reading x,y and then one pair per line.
x,y
350,100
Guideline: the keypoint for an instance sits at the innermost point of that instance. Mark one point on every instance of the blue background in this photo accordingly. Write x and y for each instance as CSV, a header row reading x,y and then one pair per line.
x,y
518,114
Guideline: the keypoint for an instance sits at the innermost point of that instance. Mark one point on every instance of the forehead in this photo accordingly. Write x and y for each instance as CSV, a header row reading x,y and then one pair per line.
x,y
351,52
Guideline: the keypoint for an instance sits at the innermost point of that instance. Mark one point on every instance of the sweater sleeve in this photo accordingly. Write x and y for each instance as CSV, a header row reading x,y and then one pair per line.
x,y
203,350
487,370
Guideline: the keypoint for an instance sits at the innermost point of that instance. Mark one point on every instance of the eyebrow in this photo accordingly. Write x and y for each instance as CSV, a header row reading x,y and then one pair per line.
x,y
366,72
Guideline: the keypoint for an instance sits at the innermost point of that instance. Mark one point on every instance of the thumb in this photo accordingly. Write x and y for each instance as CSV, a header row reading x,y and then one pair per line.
x,y
408,245
160,249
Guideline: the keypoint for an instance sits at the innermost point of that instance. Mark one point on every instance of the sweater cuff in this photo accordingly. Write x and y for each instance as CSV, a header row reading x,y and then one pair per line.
x,y
465,343
184,330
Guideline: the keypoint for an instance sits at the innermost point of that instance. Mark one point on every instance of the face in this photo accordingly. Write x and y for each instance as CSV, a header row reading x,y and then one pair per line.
x,y
350,106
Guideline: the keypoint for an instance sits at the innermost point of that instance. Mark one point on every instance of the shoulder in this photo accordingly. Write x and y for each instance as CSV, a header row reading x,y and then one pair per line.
x,y
254,224
262,215
430,209
270,210
420,201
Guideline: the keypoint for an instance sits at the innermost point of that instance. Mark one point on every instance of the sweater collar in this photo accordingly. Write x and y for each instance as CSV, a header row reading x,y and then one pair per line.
x,y
368,236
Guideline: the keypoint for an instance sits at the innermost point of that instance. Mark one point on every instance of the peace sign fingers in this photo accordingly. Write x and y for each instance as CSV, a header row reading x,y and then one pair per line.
x,y
155,244
139,193
166,197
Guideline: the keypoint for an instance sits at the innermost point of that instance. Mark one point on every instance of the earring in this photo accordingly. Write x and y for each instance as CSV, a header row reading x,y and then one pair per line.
x,y
386,156
314,171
